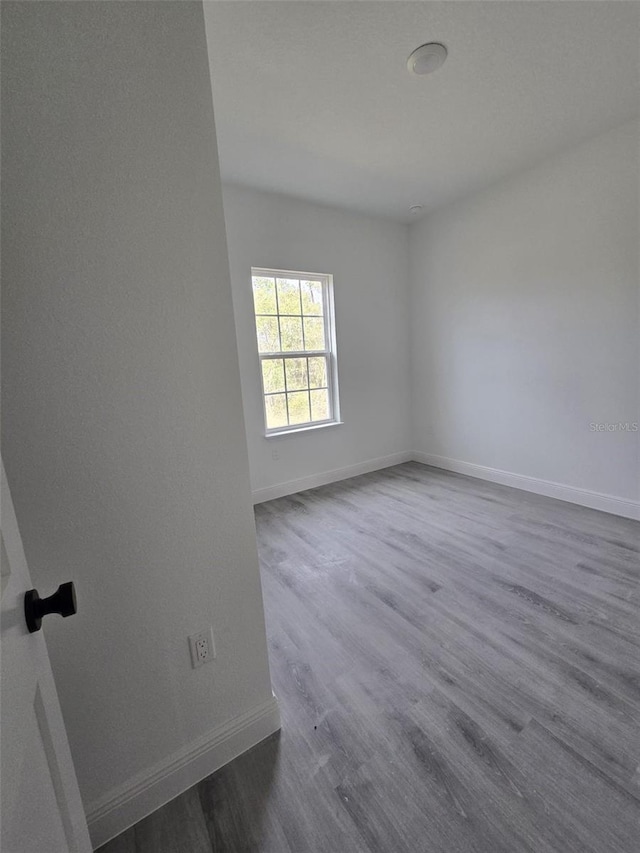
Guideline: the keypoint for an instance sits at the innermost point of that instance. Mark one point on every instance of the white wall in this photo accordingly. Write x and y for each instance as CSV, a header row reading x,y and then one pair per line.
x,y
123,432
368,258
525,323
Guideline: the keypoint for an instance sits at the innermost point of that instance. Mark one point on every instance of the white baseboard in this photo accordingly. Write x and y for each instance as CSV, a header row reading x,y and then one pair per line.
x,y
280,490
126,804
594,500
584,497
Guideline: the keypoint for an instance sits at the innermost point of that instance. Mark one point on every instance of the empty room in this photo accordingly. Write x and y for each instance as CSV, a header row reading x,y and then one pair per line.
x,y
320,426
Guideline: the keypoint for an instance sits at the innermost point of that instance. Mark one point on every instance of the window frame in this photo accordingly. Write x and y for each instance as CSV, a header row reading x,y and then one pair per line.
x,y
329,353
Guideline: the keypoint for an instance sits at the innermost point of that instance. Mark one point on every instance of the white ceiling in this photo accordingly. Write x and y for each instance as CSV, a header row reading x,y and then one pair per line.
x,y
313,99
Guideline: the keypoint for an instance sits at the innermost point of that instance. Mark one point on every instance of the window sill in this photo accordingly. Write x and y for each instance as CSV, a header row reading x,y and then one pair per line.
x,y
309,428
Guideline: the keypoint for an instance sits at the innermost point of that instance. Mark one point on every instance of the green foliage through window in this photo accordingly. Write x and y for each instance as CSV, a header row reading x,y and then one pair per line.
x,y
291,320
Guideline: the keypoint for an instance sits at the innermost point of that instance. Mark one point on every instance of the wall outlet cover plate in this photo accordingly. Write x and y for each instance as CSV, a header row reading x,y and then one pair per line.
x,y
202,647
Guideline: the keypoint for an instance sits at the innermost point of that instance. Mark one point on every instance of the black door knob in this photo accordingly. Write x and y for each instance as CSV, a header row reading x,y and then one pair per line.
x,y
63,601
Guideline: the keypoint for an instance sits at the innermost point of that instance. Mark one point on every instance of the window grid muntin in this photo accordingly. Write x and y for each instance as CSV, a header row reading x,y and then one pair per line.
x,y
328,353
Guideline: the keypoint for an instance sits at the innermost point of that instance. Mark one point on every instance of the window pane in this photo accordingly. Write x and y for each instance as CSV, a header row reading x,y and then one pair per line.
x,y
272,375
311,297
276,409
317,372
314,333
320,405
299,407
291,330
294,324
288,296
296,373
264,295
268,337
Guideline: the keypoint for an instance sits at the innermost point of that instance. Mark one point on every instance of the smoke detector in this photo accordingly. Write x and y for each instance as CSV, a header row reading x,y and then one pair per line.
x,y
415,209
427,58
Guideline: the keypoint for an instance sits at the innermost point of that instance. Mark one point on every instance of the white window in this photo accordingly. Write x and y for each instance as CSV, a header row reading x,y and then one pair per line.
x,y
296,345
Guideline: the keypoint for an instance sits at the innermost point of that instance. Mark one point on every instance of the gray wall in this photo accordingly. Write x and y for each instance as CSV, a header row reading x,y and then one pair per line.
x,y
122,429
368,258
525,323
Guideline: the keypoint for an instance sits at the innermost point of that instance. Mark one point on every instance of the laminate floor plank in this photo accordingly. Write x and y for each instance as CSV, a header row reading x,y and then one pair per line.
x,y
458,669
178,827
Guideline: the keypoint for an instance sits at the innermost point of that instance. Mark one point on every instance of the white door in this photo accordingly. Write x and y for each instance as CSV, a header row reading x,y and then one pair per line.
x,y
41,806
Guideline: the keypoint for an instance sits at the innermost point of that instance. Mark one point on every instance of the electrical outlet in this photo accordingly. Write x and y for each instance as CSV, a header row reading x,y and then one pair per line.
x,y
275,454
202,647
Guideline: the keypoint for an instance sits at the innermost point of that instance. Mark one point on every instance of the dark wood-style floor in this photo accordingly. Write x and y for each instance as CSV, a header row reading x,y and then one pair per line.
x,y
458,668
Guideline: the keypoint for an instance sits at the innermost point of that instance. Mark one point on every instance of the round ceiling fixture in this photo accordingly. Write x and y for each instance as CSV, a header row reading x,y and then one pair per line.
x,y
427,58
